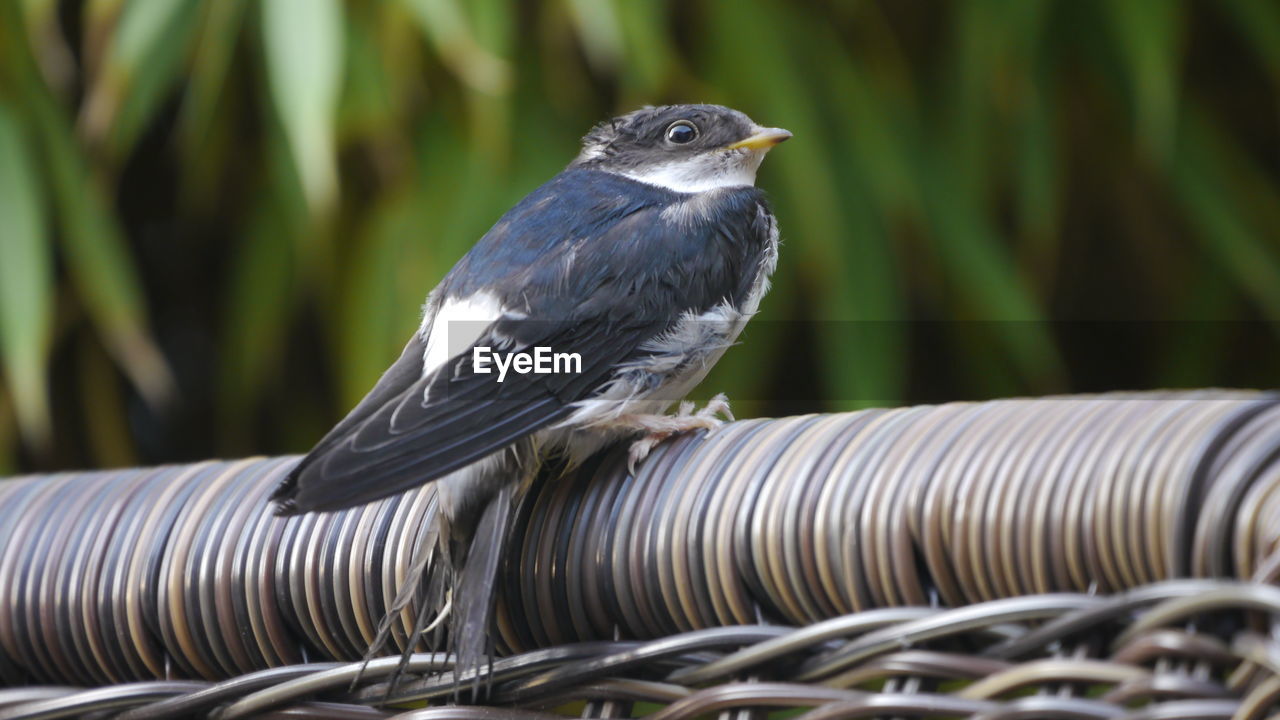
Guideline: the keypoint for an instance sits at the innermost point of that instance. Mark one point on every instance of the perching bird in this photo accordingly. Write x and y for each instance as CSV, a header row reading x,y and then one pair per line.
x,y
643,259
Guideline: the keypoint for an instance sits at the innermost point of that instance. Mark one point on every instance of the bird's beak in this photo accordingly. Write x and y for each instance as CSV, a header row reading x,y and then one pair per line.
x,y
762,139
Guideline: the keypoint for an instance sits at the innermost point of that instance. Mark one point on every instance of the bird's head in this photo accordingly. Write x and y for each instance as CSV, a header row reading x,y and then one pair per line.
x,y
687,148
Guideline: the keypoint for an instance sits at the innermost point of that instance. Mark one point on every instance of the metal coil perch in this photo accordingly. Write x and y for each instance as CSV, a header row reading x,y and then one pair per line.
x,y
1054,529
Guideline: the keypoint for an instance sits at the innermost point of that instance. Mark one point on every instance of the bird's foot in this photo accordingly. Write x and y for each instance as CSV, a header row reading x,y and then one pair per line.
x,y
658,428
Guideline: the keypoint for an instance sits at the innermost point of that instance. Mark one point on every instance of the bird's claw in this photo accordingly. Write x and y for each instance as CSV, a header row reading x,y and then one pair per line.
x,y
641,448
718,405
658,428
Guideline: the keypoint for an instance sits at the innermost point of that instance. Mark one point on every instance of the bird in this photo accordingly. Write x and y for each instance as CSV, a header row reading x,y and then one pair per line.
x,y
639,264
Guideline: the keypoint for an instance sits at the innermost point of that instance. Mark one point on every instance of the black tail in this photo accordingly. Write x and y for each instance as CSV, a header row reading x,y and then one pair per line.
x,y
475,594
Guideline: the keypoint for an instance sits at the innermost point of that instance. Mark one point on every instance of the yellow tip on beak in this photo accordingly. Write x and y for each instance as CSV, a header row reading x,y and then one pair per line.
x,y
763,139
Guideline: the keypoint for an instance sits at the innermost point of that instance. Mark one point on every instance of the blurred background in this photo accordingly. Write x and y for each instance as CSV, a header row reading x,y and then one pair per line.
x,y
219,218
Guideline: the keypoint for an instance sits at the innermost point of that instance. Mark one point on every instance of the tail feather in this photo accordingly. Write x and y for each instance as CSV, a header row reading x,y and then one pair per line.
x,y
456,567
475,594
438,606
420,626
405,596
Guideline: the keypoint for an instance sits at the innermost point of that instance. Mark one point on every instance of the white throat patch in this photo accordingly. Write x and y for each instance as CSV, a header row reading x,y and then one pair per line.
x,y
702,172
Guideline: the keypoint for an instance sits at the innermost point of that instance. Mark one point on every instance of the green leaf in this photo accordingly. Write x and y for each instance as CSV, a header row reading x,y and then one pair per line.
x,y
1203,176
369,107
8,437
98,18
304,45
101,267
956,172
215,46
26,281
98,262
489,113
1148,37
147,51
103,407
1037,178
257,310
649,55
50,45
840,251
38,10
599,32
447,27
971,250
1260,23
371,329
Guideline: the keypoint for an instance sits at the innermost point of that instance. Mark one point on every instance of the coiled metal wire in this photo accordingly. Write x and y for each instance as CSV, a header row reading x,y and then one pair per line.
x,y
878,518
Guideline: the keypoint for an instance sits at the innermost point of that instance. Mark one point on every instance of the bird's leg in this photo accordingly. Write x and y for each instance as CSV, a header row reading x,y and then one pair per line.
x,y
657,428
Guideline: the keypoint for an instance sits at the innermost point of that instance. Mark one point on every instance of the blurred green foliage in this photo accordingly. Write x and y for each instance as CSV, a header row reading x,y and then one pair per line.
x,y
219,218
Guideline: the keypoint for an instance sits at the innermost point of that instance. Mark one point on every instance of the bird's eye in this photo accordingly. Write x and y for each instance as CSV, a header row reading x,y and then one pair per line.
x,y
681,132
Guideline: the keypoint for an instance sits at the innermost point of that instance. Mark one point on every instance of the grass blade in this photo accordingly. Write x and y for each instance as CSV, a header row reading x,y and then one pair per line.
x,y
214,47
378,316
1148,38
599,33
304,43
256,314
839,254
147,50
1202,179
50,46
649,55
103,406
8,437
956,171
26,282
98,262
446,26
1260,23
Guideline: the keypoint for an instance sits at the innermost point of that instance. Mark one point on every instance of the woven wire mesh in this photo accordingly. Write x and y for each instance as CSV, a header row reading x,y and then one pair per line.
x,y
1058,557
